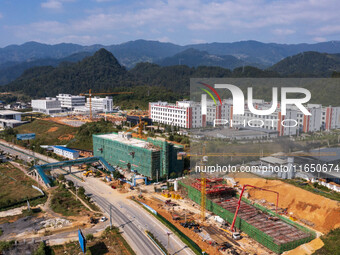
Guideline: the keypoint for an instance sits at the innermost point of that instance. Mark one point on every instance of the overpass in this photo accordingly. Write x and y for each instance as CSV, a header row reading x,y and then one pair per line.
x,y
38,171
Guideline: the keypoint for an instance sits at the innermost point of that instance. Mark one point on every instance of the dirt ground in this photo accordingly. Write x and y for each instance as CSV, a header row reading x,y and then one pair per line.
x,y
324,213
307,248
52,129
66,137
193,236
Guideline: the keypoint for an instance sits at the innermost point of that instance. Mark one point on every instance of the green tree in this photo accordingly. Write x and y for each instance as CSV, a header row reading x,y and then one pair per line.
x,y
61,177
81,191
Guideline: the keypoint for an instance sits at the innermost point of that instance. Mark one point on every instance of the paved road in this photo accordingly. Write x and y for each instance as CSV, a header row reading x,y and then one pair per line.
x,y
132,219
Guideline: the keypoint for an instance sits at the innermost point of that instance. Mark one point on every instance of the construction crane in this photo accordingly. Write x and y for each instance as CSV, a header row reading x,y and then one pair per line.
x,y
90,94
140,126
203,184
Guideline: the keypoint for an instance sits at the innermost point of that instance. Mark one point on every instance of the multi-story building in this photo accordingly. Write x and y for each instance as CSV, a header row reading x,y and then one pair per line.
x,y
185,114
153,158
48,105
188,114
69,102
100,104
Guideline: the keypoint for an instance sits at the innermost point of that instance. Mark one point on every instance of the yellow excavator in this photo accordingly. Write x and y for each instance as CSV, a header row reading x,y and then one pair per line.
x,y
87,173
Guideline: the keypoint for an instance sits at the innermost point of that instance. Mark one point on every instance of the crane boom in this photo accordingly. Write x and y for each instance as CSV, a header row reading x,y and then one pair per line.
x,y
239,201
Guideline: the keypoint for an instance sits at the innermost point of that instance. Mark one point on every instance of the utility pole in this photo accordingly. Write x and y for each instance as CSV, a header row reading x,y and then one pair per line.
x,y
110,216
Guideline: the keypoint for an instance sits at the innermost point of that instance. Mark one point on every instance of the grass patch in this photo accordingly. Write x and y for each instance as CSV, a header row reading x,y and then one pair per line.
x,y
16,187
332,243
65,203
157,242
4,245
47,132
110,242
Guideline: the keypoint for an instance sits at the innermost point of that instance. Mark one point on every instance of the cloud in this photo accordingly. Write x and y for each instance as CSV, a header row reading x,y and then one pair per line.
x,y
1,16
283,31
207,20
52,4
320,39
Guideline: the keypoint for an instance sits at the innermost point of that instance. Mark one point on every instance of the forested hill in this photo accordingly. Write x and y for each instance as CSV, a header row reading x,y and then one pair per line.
x,y
102,72
308,64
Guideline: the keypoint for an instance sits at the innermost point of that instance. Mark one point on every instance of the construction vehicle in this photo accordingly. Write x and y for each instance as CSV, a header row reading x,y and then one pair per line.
x,y
86,174
239,204
90,94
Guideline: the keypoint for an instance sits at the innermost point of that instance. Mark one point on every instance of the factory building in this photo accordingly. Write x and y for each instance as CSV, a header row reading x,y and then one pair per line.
x,y
153,158
49,105
69,102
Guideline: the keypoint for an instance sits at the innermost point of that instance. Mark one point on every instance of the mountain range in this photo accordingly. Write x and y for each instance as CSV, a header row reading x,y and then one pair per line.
x,y
150,82
133,52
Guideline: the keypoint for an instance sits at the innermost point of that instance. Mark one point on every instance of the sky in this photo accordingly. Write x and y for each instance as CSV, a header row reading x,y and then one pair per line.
x,y
182,22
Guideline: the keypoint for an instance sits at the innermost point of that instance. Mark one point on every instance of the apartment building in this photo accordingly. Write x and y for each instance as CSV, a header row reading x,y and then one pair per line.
x,y
70,102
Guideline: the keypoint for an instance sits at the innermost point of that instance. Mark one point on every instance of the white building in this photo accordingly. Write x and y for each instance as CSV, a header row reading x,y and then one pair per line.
x,y
100,104
187,114
10,119
184,114
65,152
69,102
48,105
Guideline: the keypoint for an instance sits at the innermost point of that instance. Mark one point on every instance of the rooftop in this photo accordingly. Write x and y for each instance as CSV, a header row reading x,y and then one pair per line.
x,y
64,148
9,112
129,141
328,154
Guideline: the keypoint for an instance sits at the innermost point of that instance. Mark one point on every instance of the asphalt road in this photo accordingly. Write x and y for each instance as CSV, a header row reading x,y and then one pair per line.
x,y
131,219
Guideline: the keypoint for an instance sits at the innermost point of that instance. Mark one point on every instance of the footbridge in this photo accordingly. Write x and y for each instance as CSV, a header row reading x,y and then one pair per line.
x,y
38,171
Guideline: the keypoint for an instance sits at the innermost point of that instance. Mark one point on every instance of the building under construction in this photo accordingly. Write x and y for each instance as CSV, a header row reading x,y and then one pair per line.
x,y
277,233
154,157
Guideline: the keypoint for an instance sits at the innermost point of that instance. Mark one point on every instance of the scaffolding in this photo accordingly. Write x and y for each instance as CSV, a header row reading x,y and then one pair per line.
x,y
153,158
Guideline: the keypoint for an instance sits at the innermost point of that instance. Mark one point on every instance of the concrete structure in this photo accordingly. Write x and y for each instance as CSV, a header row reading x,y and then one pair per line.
x,y
66,152
100,104
10,119
153,158
69,102
48,105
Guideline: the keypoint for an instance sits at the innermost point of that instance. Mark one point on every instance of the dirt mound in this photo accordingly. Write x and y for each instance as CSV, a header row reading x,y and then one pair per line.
x,y
52,129
323,212
66,137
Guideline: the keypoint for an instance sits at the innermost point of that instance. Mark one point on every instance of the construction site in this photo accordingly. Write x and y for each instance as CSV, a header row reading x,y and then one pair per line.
x,y
153,158
267,227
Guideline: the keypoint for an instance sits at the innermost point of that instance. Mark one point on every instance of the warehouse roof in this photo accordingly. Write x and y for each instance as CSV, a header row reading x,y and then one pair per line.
x,y
327,154
64,148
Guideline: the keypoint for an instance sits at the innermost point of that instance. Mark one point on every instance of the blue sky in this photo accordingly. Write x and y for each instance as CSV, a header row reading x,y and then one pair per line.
x,y
182,22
